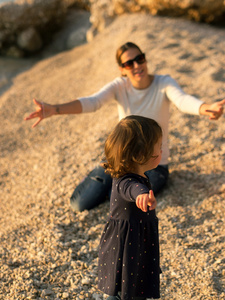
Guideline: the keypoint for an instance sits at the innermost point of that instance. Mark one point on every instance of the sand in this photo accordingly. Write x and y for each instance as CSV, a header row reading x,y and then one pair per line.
x,y
47,251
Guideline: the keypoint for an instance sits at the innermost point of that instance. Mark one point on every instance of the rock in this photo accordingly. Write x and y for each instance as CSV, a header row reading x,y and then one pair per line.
x,y
14,51
96,296
85,281
46,292
23,22
26,26
104,11
76,38
30,40
65,295
73,32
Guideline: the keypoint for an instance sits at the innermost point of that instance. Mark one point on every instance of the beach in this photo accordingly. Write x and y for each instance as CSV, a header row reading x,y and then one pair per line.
x,y
47,251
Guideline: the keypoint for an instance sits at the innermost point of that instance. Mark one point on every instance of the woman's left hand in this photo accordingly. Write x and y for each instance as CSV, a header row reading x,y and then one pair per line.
x,y
214,111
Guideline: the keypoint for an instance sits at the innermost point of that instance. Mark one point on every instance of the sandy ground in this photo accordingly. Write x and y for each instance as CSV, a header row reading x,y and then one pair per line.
x,y
49,252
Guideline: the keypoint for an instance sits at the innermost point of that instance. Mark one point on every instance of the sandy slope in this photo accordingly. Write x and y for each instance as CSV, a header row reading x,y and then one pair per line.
x,y
47,251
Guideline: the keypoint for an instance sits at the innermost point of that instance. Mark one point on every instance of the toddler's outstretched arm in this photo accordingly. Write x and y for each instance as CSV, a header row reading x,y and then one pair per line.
x,y
145,200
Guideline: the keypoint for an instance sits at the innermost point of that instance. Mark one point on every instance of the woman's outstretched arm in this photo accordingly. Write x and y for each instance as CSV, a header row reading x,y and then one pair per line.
x,y
45,110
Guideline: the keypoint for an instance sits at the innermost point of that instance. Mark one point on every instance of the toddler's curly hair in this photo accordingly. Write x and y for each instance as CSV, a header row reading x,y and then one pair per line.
x,y
131,142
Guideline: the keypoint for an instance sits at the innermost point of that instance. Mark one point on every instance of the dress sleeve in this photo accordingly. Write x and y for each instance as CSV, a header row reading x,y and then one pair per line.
x,y
130,188
103,96
184,102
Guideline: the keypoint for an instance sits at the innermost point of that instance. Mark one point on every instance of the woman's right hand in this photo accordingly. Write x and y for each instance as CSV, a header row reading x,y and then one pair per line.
x,y
43,110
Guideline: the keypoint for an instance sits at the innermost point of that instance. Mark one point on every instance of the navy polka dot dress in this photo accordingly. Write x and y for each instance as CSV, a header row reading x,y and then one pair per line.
x,y
129,246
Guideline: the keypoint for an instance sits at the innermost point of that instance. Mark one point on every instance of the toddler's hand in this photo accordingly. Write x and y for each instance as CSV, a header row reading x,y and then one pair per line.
x,y
145,200
152,201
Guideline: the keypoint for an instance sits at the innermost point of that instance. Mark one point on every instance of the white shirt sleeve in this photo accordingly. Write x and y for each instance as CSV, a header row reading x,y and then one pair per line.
x,y
95,101
184,102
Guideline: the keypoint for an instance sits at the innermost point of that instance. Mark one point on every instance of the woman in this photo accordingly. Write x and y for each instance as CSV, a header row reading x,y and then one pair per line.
x,y
136,93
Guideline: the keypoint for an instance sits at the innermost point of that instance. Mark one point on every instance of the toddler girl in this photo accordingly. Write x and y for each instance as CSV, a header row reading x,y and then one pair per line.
x,y
129,246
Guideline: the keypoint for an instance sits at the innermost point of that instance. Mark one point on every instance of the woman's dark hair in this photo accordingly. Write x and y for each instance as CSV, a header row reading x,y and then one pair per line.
x,y
131,142
123,49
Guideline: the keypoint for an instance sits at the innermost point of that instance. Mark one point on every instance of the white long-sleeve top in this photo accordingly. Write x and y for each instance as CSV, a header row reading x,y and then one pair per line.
x,y
152,102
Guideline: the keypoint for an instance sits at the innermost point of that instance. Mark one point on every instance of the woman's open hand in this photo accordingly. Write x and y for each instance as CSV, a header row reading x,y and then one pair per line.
x,y
214,110
43,110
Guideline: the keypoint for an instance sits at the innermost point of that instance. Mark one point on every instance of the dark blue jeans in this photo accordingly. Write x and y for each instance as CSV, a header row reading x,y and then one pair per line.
x,y
96,187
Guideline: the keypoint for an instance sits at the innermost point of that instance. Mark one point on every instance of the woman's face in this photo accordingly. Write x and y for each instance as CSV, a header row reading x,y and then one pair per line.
x,y
138,72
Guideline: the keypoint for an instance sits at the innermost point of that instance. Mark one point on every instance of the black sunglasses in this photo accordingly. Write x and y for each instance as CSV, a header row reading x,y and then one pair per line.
x,y
140,59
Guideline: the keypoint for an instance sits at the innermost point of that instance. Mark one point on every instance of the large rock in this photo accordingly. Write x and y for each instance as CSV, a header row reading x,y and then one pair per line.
x,y
104,11
27,25
207,11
